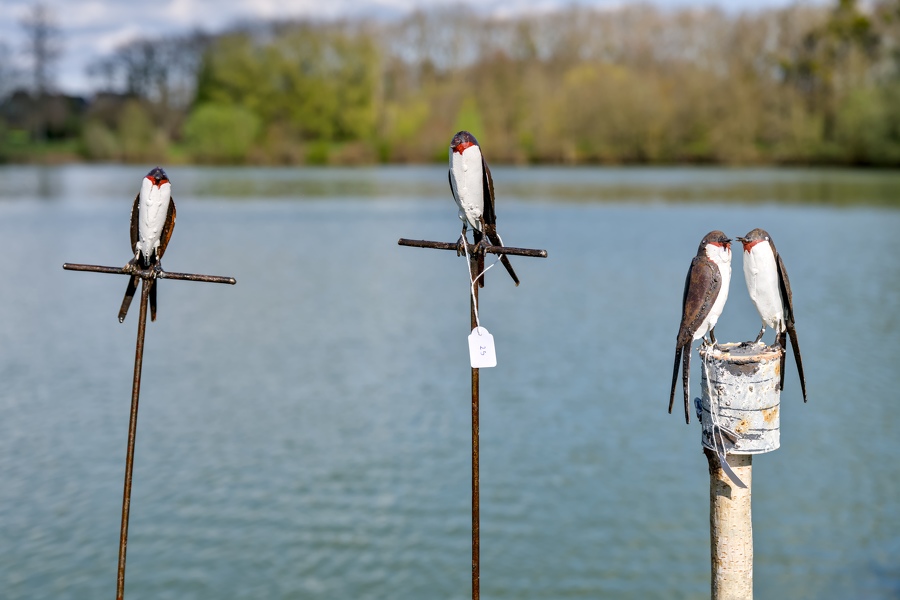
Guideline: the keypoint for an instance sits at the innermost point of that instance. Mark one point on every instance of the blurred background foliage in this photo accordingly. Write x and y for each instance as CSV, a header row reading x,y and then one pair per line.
x,y
806,84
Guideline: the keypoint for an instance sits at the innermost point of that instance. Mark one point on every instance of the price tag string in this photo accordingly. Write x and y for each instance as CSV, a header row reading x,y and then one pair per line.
x,y
718,438
473,280
481,343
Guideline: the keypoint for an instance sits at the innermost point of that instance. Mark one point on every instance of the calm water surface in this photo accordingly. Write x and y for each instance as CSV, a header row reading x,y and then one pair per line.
x,y
305,434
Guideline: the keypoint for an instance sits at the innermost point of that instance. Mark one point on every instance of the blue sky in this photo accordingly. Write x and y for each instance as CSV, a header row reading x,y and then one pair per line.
x,y
92,28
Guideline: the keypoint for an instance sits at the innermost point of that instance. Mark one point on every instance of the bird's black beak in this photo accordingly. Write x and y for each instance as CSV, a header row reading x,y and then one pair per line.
x,y
742,240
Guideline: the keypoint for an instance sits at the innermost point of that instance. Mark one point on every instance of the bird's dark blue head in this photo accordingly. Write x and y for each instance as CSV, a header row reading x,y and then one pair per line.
x,y
157,176
716,238
753,238
462,140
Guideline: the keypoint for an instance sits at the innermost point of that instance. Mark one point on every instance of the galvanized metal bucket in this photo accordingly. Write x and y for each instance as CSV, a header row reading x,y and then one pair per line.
x,y
740,407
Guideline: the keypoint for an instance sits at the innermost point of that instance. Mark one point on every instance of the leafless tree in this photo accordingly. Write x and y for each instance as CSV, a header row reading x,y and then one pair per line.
x,y
43,45
162,71
7,72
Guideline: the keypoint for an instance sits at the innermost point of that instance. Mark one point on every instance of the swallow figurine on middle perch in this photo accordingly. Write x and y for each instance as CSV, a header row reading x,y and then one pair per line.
x,y
473,190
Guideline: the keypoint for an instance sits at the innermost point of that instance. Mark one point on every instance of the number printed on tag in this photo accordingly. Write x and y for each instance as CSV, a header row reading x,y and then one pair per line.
x,y
481,349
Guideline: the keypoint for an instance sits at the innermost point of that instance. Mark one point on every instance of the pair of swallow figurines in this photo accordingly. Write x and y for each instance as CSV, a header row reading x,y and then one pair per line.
x,y
706,290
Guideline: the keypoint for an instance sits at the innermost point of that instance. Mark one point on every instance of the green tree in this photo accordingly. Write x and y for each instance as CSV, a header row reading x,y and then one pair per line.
x,y
99,141
319,83
833,59
469,118
216,133
139,137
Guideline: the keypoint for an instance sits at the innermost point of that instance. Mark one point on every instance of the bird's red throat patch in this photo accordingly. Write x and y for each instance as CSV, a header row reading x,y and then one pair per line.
x,y
748,246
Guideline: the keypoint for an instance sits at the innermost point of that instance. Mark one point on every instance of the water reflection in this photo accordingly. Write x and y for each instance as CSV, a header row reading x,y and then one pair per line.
x,y
305,433
838,187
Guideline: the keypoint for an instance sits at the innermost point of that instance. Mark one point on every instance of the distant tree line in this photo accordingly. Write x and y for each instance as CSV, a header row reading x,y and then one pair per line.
x,y
804,84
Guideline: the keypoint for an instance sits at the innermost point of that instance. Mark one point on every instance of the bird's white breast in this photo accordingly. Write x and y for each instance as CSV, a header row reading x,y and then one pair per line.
x,y
761,274
153,206
722,257
467,181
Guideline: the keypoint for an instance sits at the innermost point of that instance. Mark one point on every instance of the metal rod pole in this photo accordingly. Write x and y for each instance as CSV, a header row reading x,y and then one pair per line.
x,y
476,514
476,267
147,274
195,277
489,249
132,431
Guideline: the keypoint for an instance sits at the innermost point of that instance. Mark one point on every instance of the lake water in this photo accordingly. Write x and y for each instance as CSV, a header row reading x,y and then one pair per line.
x,y
305,433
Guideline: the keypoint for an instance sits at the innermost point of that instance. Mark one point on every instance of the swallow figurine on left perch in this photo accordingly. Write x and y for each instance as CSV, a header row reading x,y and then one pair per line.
x,y
152,222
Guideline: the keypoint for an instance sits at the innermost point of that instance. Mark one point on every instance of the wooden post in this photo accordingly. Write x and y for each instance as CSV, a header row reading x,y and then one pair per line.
x,y
730,528
740,409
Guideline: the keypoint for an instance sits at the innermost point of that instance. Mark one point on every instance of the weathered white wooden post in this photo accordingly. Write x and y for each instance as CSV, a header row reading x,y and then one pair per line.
x,y
739,410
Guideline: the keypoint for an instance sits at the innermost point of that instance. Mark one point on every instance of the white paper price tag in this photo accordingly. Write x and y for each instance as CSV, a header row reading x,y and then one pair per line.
x,y
481,349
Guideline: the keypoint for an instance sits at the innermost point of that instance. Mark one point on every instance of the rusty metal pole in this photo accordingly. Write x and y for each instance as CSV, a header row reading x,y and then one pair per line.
x,y
476,255
476,514
147,276
132,432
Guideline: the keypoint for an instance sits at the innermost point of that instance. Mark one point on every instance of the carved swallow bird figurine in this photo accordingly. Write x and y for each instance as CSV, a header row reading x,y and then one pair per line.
x,y
152,221
770,290
705,293
473,190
